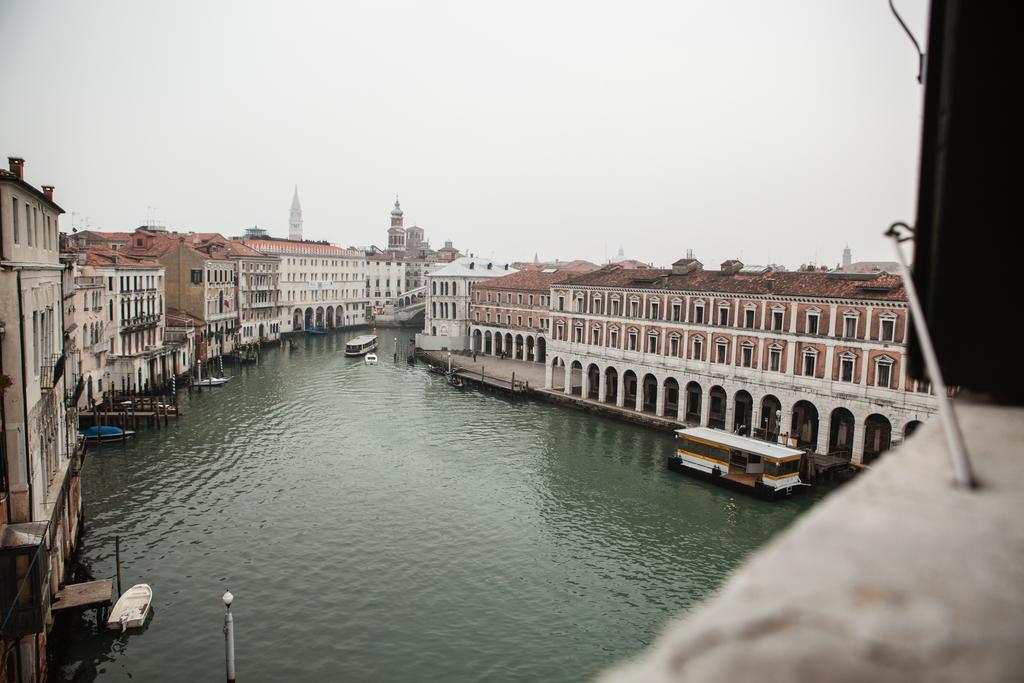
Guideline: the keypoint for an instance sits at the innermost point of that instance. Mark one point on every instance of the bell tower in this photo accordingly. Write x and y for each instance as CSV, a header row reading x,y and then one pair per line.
x,y
396,233
295,218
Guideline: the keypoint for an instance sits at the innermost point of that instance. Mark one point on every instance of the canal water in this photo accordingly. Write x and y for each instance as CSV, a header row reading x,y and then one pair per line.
x,y
375,524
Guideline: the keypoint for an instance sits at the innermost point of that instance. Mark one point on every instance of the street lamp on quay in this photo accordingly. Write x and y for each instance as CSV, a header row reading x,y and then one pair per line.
x,y
229,636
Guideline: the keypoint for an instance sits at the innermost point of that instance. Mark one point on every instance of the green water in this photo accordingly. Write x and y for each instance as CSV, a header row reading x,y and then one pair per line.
x,y
376,524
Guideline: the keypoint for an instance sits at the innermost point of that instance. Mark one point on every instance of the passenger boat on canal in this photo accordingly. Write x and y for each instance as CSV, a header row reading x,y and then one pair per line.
x,y
768,470
371,359
361,345
455,381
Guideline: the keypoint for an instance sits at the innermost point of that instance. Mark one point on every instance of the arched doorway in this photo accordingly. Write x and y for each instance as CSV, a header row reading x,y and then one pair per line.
x,y
308,323
499,344
319,316
804,425
575,377
297,319
877,436
593,382
911,428
694,394
840,432
510,349
261,332
716,411
650,398
478,341
671,389
520,354
771,415
743,412
558,372
488,346
611,385
329,317
530,351
541,349
629,385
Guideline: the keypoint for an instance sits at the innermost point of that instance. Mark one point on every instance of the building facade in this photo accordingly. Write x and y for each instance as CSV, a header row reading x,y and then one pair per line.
x,y
320,285
816,357
40,501
448,296
509,315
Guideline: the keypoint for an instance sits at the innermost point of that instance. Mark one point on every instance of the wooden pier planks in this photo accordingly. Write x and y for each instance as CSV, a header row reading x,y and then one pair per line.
x,y
84,595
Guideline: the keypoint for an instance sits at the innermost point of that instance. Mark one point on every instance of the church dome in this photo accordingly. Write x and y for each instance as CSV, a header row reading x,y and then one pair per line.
x,y
397,211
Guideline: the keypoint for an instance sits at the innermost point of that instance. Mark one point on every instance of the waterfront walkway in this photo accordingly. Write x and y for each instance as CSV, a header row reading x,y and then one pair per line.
x,y
532,374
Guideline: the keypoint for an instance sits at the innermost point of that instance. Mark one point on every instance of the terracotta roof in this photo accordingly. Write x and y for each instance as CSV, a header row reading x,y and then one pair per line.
x,y
281,246
532,279
880,287
101,256
575,266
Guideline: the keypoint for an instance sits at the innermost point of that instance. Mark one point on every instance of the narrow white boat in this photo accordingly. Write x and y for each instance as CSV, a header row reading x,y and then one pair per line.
x,y
371,359
213,381
131,609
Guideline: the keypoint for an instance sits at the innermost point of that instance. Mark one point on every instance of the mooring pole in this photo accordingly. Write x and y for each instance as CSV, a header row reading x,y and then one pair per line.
x,y
117,560
229,636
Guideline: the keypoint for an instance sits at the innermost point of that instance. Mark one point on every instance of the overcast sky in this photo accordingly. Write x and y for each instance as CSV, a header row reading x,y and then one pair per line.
x,y
741,129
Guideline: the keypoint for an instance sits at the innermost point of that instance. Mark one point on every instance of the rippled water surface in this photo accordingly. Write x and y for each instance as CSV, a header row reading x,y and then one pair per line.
x,y
376,524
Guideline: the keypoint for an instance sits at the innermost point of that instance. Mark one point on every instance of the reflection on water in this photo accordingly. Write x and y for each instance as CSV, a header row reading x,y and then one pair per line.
x,y
374,523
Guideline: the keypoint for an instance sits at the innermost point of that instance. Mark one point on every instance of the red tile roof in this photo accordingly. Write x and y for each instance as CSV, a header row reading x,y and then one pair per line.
x,y
880,287
534,280
102,256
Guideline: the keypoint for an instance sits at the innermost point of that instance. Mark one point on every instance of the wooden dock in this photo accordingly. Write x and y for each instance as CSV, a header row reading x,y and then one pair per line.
x,y
88,595
487,382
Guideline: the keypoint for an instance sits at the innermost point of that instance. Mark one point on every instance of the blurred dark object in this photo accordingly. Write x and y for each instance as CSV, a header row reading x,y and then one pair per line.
x,y
969,245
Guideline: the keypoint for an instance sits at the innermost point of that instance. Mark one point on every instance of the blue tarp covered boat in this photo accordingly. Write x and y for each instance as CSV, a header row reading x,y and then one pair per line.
x,y
105,433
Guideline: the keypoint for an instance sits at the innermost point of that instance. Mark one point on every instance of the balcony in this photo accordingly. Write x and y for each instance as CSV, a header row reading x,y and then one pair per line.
x,y
24,588
50,372
139,322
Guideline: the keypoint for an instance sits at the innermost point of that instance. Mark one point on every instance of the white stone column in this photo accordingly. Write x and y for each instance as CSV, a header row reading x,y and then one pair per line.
x,y
585,383
639,394
705,406
602,386
858,442
548,372
824,424
786,422
620,395
659,404
568,378
728,412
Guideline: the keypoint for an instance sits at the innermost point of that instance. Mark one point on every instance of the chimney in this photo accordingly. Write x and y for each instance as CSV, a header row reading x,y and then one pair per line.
x,y
48,192
730,267
17,166
686,265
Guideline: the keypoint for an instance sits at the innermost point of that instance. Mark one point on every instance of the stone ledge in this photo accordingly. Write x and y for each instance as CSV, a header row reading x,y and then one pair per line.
x,y
896,577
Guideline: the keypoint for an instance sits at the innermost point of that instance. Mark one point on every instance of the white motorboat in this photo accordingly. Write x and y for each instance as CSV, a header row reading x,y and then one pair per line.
x,y
371,359
131,609
213,381
210,381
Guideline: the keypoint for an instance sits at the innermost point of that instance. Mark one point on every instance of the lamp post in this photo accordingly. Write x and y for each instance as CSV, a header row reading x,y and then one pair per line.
x,y
229,636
